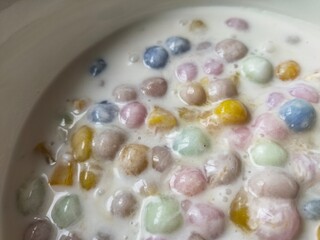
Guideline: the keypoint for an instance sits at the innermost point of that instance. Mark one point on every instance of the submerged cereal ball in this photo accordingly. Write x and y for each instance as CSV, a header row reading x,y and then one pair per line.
x,y
220,89
161,158
213,66
239,211
107,143
188,181
133,115
97,67
237,23
162,215
155,57
231,50
154,87
67,211
305,92
178,45
298,114
124,93
273,184
191,141
222,168
31,196
160,119
268,153
257,69
231,111
124,204
81,143
103,112
134,159
63,174
39,229
193,94
288,70
187,72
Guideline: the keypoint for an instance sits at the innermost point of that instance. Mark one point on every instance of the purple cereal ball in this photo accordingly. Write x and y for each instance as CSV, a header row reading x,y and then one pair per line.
x,y
133,115
239,137
231,50
305,92
237,23
154,87
187,72
188,181
221,89
161,158
213,67
124,93
274,99
39,229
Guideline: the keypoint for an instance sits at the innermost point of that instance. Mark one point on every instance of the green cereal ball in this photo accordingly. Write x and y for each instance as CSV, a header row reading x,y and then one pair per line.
x,y
162,215
257,69
268,153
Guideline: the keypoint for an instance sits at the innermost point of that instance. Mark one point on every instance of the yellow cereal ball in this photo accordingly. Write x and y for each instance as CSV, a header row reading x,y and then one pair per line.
x,y
231,111
288,70
81,143
160,119
63,175
239,211
88,179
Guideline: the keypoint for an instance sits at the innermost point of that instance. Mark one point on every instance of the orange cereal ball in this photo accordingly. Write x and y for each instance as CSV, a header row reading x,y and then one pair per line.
x,y
288,70
231,111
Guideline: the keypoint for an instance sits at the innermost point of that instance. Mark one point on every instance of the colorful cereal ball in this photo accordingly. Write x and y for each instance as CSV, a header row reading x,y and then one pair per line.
x,y
257,69
178,45
188,181
133,115
221,89
193,94
81,143
311,209
155,57
231,111
298,114
39,229
239,211
161,120
231,50
124,204
162,215
237,24
305,92
124,93
288,70
161,158
187,72
97,67
154,87
103,112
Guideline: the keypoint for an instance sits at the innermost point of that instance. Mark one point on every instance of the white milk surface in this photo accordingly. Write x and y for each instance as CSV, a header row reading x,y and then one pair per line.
x,y
267,37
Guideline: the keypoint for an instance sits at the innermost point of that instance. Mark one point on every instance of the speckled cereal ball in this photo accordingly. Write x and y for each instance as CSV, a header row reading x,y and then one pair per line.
x,y
133,115
155,57
134,159
193,94
187,72
161,158
257,69
231,50
39,229
154,87
124,93
124,204
188,181
107,143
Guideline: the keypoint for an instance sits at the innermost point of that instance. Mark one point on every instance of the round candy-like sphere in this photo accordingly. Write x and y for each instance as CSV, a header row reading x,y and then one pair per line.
x,y
298,114
178,45
124,93
231,111
154,87
257,69
237,23
103,112
39,229
124,204
155,57
133,115
187,72
288,70
193,94
231,50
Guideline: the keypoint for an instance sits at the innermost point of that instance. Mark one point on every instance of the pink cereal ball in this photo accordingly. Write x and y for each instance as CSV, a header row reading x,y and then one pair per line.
x,y
270,126
274,99
133,115
239,137
188,181
187,72
213,67
305,92
221,89
237,23
209,220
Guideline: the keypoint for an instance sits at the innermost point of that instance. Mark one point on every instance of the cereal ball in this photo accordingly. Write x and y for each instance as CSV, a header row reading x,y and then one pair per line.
x,y
124,204
257,69
221,89
154,87
191,141
134,159
178,45
298,114
124,93
161,120
222,168
88,179
31,196
197,26
311,209
39,229
268,153
273,184
187,72
239,137
305,92
161,158
270,126
288,70
239,211
97,67
162,215
81,143
274,99
155,57
103,112
66,211
107,143
204,46
133,115
193,94
237,23
231,111
213,67
209,220
231,50
188,181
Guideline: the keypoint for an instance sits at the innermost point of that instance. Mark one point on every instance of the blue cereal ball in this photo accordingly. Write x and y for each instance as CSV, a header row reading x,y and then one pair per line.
x,y
178,45
155,57
103,112
97,67
298,114
311,209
